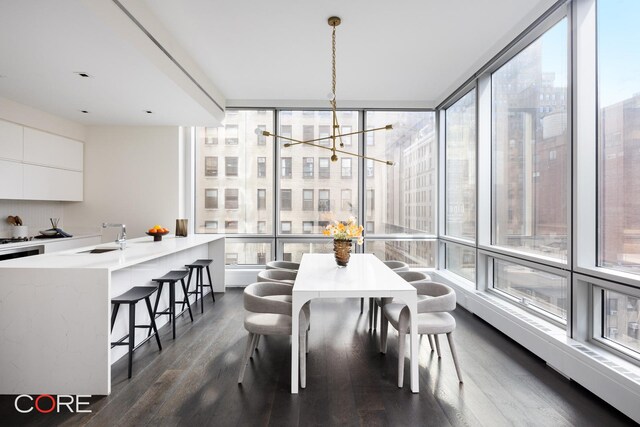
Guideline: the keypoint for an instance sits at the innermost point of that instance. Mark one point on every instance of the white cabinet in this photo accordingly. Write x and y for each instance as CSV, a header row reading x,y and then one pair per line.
x,y
42,148
11,179
45,183
10,141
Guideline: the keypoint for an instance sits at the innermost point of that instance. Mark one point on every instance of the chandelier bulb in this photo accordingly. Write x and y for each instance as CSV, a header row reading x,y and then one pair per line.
x,y
334,158
330,96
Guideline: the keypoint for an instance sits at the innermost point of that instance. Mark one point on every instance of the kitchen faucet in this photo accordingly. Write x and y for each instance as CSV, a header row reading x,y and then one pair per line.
x,y
121,240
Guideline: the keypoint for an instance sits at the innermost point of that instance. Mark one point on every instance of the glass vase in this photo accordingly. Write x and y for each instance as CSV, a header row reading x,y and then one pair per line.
x,y
342,251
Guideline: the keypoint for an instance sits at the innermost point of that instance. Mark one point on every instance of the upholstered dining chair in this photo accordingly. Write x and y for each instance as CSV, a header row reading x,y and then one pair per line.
x,y
395,266
433,319
283,265
286,276
265,315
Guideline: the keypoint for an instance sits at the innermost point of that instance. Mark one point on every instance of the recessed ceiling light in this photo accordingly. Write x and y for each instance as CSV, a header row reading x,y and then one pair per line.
x,y
82,74
148,111
84,111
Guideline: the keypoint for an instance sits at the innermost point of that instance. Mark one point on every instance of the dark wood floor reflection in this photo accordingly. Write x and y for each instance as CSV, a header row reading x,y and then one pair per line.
x,y
193,381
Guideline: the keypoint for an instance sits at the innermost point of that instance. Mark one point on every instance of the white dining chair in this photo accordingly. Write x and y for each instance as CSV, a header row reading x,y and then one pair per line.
x,y
286,276
283,265
395,266
433,319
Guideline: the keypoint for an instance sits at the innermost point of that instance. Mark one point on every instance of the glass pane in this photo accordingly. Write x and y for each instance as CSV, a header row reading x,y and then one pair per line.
x,y
619,135
404,193
461,260
416,253
244,166
460,181
622,319
316,198
252,253
531,147
293,251
545,291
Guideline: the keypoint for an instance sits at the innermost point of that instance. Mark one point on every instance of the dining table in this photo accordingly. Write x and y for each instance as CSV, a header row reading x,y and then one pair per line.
x,y
365,276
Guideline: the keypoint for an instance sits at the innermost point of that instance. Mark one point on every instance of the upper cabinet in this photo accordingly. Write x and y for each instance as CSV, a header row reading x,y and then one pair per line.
x,y
10,141
41,165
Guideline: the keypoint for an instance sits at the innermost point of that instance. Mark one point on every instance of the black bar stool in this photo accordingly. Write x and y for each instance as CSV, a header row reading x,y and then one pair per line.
x,y
171,278
131,297
200,265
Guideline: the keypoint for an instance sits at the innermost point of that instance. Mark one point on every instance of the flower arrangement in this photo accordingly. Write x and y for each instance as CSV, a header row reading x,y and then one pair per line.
x,y
345,231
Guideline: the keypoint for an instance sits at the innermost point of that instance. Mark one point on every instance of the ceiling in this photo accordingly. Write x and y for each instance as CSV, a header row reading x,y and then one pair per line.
x,y
241,53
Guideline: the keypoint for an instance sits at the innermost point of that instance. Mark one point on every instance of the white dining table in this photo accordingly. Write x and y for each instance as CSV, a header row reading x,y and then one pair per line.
x,y
365,276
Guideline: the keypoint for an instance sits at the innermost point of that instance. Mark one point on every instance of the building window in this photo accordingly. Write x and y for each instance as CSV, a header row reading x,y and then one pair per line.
x,y
262,258
231,226
260,138
524,131
285,131
324,204
324,131
324,169
285,163
231,199
211,198
231,134
231,258
370,137
262,167
370,168
262,199
370,227
262,227
307,200
231,166
307,132
211,136
307,167
346,140
307,227
371,200
211,225
211,166
285,227
347,206
346,167
285,199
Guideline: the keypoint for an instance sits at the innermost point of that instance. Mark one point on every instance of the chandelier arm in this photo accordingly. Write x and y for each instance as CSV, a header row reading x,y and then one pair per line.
x,y
388,162
344,134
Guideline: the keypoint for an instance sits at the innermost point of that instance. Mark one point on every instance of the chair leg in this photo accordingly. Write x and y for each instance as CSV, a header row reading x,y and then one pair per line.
x,y
153,323
370,313
435,338
303,362
114,313
254,344
257,342
430,342
455,355
384,330
210,284
375,315
188,290
155,305
186,299
245,357
361,305
132,334
401,345
200,285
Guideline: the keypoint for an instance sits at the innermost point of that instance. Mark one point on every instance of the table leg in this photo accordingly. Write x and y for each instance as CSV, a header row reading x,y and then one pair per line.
x,y
296,306
413,308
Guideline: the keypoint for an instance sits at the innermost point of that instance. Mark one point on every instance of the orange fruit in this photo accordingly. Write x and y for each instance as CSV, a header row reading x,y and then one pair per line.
x,y
153,231
165,230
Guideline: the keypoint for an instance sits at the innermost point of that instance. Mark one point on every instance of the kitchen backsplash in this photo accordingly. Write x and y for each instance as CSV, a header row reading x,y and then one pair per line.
x,y
34,214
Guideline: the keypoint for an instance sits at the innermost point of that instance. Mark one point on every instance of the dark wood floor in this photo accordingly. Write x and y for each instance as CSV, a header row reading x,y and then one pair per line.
x,y
193,381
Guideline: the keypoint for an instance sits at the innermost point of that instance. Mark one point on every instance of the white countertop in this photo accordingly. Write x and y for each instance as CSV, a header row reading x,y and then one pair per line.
x,y
137,251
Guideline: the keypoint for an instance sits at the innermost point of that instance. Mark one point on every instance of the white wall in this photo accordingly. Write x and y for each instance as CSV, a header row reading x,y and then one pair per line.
x,y
131,176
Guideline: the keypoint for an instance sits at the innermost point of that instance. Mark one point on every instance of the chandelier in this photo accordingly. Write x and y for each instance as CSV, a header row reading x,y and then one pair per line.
x,y
336,134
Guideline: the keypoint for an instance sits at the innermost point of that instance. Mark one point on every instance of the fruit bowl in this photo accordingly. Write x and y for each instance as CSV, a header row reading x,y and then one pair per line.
x,y
157,237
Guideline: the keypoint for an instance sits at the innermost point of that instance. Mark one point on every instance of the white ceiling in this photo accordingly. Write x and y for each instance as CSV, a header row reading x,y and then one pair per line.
x,y
409,53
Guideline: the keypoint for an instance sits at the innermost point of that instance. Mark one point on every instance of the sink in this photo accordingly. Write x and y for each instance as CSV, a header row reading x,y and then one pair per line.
x,y
98,251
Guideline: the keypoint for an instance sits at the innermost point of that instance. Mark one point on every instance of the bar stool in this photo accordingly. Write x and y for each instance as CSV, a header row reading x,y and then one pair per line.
x,y
131,297
171,278
198,266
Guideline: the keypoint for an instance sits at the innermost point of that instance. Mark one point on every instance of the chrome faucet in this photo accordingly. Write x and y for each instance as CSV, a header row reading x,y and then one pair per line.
x,y
121,240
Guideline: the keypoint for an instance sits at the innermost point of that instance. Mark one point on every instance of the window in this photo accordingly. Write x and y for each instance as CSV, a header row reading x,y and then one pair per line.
x,y
307,227
211,198
346,140
370,168
247,251
371,201
260,138
618,136
231,134
293,251
307,132
307,200
211,225
231,226
285,227
346,167
285,199
324,169
261,258
346,200
285,163
370,138
307,167
416,253
285,130
231,258
262,167
620,319
211,166
262,199
231,166
460,167
262,227
324,131
231,199
461,260
370,227
324,205
211,136
530,213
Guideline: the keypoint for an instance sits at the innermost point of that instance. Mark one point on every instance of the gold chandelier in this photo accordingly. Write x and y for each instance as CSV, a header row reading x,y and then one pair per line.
x,y
336,134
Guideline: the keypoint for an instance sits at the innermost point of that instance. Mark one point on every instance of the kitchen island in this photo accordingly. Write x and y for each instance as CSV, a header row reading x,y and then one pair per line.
x,y
55,310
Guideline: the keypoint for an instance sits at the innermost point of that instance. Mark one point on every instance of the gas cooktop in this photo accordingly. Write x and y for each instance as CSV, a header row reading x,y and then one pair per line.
x,y
14,240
